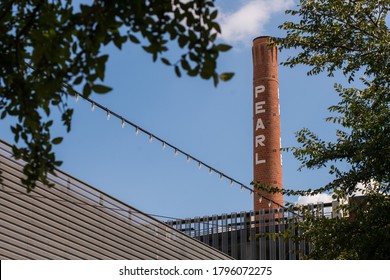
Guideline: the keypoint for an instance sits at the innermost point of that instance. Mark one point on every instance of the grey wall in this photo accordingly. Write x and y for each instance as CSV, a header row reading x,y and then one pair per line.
x,y
76,221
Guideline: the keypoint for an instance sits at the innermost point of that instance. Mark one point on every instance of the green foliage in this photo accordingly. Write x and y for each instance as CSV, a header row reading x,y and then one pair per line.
x,y
364,234
350,37
48,45
338,34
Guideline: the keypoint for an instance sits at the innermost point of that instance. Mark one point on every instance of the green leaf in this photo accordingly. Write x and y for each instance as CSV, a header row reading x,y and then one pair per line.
x,y
177,71
214,15
183,40
223,47
57,140
216,80
87,89
185,65
101,89
78,80
134,39
226,76
165,61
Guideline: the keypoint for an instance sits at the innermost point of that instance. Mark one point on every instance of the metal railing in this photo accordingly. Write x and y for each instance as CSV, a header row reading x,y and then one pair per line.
x,y
253,235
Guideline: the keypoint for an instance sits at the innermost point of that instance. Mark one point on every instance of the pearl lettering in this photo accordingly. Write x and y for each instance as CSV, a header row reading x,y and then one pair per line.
x,y
260,124
259,107
260,140
259,89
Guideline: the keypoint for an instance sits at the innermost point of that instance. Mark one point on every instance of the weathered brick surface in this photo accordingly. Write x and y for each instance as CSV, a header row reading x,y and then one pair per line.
x,y
266,120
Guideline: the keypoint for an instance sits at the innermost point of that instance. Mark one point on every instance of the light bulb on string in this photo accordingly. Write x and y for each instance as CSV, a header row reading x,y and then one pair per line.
x,y
123,123
251,194
269,204
176,152
163,145
108,115
92,107
199,165
150,138
136,131
260,198
188,158
231,183
210,171
241,188
77,97
220,176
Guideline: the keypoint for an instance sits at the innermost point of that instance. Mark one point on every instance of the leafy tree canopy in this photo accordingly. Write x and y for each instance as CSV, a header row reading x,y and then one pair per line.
x,y
348,37
46,47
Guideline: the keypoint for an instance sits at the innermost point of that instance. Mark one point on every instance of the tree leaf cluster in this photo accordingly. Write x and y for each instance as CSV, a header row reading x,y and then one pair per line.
x,y
47,47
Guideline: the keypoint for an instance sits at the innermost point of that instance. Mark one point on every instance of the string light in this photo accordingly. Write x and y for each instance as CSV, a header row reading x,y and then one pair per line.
x,y
220,176
77,97
188,156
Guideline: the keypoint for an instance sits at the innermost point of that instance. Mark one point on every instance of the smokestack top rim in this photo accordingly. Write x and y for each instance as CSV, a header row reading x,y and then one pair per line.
x,y
261,37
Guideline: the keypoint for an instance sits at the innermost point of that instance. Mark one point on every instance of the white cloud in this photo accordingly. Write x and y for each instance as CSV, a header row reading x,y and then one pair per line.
x,y
318,198
249,20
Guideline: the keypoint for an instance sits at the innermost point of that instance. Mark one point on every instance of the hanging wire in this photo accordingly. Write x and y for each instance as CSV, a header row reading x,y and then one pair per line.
x,y
164,144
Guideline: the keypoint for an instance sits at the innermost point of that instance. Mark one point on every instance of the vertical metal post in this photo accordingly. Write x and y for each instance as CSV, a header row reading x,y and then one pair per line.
x,y
233,242
252,233
291,242
214,236
225,234
197,232
243,236
206,230
272,242
281,229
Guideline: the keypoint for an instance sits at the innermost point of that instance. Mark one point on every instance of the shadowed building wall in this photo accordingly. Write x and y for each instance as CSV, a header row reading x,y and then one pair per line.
x,y
73,220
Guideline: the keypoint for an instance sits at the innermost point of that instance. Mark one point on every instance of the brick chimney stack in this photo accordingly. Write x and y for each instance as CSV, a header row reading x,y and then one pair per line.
x,y
266,120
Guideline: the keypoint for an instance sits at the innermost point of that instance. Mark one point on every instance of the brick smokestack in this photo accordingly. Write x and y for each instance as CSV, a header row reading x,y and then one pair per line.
x,y
266,120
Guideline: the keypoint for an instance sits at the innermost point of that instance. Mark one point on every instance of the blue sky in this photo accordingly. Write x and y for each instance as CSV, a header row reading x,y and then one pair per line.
x,y
212,124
